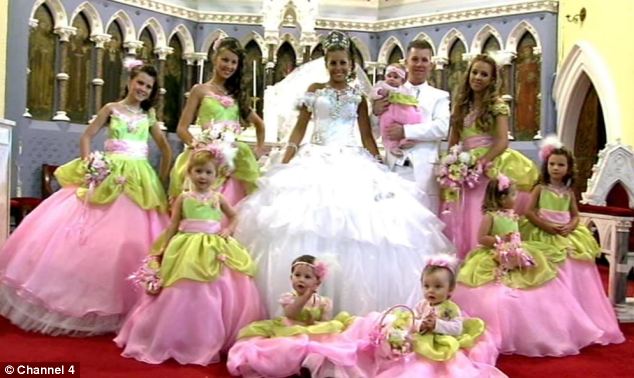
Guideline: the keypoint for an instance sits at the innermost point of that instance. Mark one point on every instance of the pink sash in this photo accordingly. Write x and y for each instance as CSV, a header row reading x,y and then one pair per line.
x,y
126,147
555,216
194,226
477,141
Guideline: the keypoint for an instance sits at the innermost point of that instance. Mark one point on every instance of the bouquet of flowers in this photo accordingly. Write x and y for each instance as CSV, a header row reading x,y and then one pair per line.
x,y
510,253
456,171
392,336
147,275
97,169
214,131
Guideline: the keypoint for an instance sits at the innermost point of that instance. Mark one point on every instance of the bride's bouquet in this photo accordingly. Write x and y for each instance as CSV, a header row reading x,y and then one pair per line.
x,y
458,170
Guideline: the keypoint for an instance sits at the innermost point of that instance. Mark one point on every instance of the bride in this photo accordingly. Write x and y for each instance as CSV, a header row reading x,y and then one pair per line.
x,y
335,200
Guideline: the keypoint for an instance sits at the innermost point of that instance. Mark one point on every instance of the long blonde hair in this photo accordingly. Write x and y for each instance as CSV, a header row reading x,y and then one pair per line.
x,y
464,98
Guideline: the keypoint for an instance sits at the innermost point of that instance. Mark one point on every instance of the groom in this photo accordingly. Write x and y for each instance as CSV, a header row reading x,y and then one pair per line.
x,y
417,163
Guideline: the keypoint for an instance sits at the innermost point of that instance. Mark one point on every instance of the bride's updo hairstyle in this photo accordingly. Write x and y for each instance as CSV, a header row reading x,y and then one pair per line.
x,y
339,41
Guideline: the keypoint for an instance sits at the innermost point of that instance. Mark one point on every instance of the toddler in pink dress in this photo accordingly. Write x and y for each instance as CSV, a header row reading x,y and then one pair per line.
x,y
403,108
278,347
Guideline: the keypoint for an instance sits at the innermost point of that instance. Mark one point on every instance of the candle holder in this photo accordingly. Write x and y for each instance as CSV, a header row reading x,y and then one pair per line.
x,y
254,102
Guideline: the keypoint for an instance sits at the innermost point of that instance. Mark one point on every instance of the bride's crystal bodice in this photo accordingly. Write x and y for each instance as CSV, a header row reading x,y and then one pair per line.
x,y
334,116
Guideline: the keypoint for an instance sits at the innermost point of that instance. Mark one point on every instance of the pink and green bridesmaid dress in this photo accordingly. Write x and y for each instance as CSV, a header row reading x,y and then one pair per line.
x,y
208,293
278,347
528,310
220,112
575,260
465,214
64,270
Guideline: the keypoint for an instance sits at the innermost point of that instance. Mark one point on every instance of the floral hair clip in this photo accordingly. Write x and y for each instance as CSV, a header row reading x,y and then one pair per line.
x,y
443,261
130,63
503,182
548,145
319,267
217,42
215,150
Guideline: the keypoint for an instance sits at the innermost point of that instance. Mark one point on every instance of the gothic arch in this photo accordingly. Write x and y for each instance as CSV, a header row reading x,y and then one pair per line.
x,y
156,30
294,44
518,32
386,49
363,49
423,36
290,16
254,36
481,37
184,37
218,33
57,10
125,23
583,67
447,41
93,17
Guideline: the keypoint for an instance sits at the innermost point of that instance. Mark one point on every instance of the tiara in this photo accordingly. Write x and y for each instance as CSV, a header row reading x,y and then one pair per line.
x,y
336,39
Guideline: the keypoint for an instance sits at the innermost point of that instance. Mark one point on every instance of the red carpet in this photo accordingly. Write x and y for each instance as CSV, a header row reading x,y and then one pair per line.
x,y
99,357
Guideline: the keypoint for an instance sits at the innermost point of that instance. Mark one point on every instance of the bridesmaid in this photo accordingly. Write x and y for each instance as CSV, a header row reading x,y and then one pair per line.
x,y
218,107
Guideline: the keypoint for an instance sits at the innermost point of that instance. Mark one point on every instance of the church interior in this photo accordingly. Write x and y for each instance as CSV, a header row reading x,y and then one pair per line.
x,y
563,67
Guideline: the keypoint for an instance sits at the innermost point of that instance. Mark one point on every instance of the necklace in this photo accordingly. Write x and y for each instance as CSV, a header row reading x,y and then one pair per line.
x,y
131,109
203,196
219,88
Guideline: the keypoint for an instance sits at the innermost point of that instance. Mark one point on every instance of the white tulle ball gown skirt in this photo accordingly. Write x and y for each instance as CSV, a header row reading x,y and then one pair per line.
x,y
340,205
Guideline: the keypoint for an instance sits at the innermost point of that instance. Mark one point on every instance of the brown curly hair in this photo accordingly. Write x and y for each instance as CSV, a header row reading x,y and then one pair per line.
x,y
465,96
569,178
148,69
493,196
235,84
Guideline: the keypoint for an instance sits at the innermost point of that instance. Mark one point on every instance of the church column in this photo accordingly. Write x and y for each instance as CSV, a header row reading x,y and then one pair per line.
x,y
162,53
439,71
306,57
131,48
504,59
190,60
64,33
270,64
201,58
97,82
371,69
33,22
380,72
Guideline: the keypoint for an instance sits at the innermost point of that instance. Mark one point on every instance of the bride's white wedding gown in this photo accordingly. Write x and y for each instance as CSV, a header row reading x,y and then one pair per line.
x,y
334,201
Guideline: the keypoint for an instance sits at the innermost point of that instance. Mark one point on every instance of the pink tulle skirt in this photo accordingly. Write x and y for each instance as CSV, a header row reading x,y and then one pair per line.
x,y
582,279
544,321
284,356
191,322
478,361
64,270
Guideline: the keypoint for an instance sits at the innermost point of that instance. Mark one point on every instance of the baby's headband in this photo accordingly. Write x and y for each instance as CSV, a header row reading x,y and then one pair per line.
x,y
400,72
319,267
443,261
